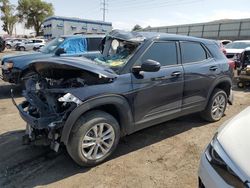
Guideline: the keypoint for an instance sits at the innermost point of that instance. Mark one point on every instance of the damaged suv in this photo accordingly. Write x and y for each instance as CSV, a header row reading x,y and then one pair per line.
x,y
142,79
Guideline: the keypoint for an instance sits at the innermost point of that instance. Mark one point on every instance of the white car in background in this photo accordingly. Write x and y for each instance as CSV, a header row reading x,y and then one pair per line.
x,y
234,49
225,42
12,43
226,160
31,44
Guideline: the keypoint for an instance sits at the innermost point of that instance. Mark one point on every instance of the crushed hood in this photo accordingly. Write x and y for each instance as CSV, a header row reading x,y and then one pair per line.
x,y
78,64
234,137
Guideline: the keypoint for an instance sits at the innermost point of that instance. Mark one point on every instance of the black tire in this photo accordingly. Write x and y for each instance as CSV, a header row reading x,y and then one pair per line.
x,y
82,127
240,85
207,114
21,48
8,46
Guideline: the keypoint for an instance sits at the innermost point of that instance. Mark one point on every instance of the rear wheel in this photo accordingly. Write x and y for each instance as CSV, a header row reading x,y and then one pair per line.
x,y
240,84
94,138
216,106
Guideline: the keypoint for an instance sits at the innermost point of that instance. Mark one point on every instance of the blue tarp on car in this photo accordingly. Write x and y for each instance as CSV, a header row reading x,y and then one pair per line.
x,y
75,46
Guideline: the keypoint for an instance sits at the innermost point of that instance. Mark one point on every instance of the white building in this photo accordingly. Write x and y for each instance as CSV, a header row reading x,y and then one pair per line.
x,y
55,26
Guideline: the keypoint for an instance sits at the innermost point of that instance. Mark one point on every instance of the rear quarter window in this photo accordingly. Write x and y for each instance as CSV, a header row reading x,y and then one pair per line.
x,y
193,52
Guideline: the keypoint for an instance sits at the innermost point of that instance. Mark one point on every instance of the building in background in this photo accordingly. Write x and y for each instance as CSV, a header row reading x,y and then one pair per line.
x,y
55,26
218,30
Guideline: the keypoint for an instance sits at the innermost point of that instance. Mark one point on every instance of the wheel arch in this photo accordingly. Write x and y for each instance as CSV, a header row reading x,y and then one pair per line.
x,y
224,83
115,105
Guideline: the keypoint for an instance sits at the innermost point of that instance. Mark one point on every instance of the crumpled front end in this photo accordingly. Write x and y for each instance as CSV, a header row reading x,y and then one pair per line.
x,y
49,102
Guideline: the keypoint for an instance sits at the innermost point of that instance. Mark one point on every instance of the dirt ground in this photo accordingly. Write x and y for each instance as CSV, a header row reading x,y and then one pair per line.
x,y
166,155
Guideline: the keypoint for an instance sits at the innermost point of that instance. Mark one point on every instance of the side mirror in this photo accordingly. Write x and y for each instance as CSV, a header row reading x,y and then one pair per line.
x,y
60,51
147,66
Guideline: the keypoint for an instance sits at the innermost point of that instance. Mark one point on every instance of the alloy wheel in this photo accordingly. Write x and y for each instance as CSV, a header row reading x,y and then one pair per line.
x,y
98,141
218,106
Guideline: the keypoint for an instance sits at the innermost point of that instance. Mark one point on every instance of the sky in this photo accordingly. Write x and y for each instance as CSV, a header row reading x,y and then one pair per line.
x,y
124,14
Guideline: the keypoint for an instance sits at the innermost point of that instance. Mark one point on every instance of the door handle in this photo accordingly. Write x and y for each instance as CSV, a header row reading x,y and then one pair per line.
x,y
213,68
176,74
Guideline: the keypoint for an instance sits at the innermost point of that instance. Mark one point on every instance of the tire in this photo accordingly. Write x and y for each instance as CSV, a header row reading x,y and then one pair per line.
x,y
22,48
8,46
215,103
83,132
240,85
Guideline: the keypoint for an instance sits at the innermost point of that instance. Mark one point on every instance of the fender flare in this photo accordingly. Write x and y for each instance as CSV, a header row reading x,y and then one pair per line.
x,y
216,83
124,110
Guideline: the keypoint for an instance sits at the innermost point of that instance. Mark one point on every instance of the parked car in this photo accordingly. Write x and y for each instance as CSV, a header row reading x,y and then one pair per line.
x,y
225,42
14,43
234,49
225,162
140,80
31,44
2,44
16,67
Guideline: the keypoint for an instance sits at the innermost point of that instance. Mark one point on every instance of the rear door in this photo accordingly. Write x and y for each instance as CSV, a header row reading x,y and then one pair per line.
x,y
200,70
158,94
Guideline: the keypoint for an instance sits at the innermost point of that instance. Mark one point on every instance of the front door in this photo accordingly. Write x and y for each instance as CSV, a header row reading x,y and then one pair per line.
x,y
158,94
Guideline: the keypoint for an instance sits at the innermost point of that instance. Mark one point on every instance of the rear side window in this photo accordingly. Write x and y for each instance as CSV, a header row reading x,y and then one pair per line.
x,y
94,44
192,52
38,41
162,52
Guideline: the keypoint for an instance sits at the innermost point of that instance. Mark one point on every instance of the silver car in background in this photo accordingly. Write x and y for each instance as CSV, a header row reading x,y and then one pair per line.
x,y
226,160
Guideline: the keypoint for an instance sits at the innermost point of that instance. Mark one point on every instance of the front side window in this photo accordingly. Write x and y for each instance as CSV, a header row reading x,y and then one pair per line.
x,y
163,52
192,52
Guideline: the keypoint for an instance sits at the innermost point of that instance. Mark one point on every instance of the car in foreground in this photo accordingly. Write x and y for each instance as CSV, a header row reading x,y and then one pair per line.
x,y
225,162
234,49
140,80
16,67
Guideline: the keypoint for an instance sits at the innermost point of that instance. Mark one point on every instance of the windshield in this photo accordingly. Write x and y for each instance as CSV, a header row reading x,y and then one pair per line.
x,y
237,45
52,45
117,54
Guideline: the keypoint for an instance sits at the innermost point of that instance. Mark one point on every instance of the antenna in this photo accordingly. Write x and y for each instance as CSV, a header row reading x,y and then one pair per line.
x,y
104,8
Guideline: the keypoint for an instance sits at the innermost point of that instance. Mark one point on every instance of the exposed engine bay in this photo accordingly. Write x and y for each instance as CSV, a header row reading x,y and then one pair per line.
x,y
49,101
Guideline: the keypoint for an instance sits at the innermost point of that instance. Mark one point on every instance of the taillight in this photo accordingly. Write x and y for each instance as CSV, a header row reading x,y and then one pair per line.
x,y
231,63
224,51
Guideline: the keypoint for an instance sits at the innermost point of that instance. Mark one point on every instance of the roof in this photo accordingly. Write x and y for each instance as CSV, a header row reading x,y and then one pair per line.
x,y
71,19
85,36
142,36
242,41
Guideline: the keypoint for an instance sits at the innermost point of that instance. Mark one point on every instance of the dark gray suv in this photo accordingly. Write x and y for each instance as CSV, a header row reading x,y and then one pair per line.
x,y
140,80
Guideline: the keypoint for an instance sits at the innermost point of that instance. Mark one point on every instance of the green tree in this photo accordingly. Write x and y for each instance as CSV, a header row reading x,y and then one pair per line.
x,y
33,13
136,28
8,16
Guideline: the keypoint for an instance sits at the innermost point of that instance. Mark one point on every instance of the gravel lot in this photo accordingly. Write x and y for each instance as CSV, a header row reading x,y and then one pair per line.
x,y
166,155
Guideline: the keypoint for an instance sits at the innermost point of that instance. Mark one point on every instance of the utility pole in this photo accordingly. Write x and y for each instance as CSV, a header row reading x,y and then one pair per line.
x,y
104,9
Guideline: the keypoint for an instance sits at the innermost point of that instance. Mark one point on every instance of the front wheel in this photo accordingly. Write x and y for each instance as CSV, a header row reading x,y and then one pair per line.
x,y
216,106
22,48
93,138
